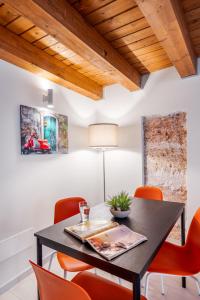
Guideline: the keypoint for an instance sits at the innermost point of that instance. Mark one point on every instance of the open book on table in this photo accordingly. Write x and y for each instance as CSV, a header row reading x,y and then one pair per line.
x,y
107,238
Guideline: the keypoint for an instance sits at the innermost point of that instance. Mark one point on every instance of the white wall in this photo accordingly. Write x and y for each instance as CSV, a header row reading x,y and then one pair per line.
x,y
29,185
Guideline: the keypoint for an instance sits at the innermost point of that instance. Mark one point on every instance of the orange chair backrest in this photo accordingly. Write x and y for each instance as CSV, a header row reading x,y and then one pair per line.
x,y
149,193
66,208
193,240
53,287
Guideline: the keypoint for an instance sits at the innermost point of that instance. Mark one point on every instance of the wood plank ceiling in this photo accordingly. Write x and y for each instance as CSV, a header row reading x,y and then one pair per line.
x,y
121,24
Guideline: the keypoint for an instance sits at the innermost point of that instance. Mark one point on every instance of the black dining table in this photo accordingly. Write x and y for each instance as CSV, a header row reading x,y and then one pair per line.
x,y
154,219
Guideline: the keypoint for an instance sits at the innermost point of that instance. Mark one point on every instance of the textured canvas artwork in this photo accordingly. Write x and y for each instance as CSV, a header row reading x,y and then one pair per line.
x,y
165,157
43,131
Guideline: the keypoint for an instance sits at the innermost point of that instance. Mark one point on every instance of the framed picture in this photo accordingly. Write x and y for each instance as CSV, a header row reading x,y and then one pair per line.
x,y
43,131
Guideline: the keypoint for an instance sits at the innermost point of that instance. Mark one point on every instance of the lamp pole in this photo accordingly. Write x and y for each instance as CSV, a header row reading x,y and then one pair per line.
x,y
104,175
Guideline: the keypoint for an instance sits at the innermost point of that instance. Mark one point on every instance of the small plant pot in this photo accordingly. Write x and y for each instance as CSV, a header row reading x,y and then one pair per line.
x,y
119,213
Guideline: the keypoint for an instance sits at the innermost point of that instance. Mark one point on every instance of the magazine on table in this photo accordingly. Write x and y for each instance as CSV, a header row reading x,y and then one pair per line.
x,y
86,229
107,238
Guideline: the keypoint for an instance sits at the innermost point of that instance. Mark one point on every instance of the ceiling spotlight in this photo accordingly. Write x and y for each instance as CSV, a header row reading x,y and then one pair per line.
x,y
48,99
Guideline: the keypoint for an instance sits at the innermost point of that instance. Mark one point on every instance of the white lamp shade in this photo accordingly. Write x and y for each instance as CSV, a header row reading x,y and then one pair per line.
x,y
103,135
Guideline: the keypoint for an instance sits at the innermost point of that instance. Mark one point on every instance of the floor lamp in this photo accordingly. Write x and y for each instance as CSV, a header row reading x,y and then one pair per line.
x,y
103,136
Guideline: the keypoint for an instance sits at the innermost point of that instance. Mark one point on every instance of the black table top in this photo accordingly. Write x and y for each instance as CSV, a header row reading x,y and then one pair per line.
x,y
154,219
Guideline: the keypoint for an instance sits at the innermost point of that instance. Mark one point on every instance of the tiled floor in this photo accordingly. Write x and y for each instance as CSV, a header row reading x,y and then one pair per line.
x,y
26,289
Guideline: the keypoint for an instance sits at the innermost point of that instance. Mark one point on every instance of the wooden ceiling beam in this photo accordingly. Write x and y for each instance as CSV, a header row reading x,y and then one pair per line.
x,y
18,51
167,22
65,24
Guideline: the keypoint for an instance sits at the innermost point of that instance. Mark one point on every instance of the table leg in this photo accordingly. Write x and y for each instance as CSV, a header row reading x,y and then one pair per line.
x,y
39,252
39,257
136,288
183,240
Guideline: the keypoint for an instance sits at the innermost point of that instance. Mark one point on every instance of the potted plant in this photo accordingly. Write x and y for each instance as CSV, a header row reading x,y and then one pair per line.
x,y
120,205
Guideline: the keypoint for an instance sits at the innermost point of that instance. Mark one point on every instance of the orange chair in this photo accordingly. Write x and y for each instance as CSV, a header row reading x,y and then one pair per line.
x,y
64,209
179,260
148,193
84,286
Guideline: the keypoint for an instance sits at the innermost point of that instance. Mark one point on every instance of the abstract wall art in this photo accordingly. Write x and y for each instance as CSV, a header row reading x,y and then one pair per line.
x,y
165,157
43,131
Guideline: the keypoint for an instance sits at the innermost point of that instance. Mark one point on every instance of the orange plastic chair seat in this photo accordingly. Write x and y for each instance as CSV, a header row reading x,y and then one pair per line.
x,y
64,209
71,264
53,287
180,260
99,288
148,193
173,259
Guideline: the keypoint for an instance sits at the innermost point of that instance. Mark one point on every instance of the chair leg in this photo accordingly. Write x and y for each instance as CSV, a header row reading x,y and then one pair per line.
x,y
197,284
143,280
65,274
120,281
162,285
146,287
50,260
197,281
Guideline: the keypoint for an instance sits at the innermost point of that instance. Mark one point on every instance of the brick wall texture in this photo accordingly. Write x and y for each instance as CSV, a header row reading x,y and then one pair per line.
x,y
165,157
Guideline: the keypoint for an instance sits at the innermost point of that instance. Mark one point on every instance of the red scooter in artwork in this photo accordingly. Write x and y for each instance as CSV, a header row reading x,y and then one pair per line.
x,y
35,145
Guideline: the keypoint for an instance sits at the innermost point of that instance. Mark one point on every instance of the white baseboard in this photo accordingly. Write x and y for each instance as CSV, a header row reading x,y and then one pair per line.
x,y
16,243
14,280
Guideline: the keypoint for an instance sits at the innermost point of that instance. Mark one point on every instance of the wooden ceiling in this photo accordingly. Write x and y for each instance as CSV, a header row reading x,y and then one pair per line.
x,y
87,44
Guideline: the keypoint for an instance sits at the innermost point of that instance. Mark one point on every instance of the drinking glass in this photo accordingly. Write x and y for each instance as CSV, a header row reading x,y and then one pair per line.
x,y
84,211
